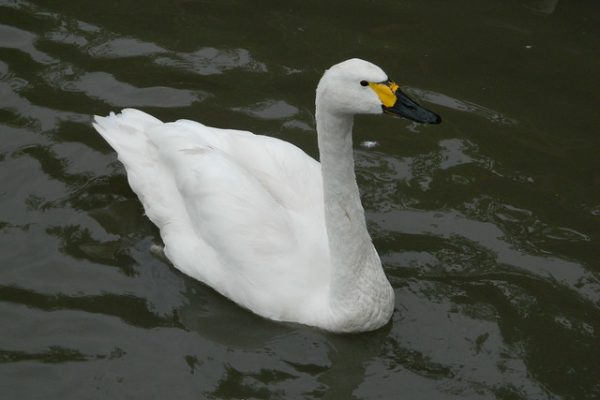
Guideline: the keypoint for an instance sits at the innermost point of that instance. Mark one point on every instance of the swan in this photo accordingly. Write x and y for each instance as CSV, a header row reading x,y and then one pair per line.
x,y
259,220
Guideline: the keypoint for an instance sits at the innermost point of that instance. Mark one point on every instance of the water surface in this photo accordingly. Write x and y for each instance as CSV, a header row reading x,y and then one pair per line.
x,y
488,225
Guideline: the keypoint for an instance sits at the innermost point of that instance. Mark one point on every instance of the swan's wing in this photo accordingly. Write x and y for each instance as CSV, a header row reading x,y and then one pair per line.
x,y
222,200
291,176
217,197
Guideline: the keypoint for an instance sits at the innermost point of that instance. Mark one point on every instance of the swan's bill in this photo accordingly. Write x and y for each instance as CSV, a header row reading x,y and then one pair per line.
x,y
396,102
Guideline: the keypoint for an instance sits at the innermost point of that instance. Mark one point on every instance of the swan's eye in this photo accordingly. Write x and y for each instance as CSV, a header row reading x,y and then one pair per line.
x,y
364,83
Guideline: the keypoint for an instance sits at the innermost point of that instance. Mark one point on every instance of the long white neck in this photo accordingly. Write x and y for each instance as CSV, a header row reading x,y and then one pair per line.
x,y
361,297
353,257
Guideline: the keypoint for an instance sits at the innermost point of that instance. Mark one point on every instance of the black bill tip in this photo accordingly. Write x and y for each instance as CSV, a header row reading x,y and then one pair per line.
x,y
407,108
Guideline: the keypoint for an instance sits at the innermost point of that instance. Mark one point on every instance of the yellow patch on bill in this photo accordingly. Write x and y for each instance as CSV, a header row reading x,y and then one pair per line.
x,y
386,92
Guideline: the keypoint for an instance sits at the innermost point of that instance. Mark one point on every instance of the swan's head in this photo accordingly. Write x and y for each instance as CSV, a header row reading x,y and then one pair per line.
x,y
358,87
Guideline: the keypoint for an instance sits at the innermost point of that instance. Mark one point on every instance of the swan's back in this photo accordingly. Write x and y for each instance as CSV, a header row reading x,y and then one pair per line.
x,y
240,212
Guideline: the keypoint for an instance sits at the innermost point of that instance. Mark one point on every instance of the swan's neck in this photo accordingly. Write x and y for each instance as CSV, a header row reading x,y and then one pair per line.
x,y
353,257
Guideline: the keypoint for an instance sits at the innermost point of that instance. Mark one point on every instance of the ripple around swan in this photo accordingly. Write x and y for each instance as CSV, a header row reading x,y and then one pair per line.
x,y
449,225
462,105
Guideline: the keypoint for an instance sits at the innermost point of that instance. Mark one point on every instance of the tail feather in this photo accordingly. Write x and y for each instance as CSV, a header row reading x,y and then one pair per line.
x,y
127,134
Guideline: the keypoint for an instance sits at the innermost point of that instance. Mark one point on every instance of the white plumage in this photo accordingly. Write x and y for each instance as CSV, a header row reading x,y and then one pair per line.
x,y
255,217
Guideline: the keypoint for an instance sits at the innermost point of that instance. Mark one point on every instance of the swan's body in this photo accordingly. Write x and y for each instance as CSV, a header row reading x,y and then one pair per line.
x,y
256,218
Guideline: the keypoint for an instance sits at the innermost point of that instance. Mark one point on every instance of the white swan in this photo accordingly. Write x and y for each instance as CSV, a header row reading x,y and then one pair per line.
x,y
260,221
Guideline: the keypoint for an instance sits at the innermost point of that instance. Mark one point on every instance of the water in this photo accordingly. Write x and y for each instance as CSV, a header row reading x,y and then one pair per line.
x,y
488,225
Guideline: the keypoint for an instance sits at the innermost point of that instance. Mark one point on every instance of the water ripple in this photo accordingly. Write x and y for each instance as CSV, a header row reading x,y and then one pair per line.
x,y
18,39
125,47
105,87
462,105
212,61
450,225
270,109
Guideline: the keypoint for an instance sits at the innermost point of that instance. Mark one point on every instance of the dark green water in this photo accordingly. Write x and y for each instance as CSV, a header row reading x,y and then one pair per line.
x,y
488,225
